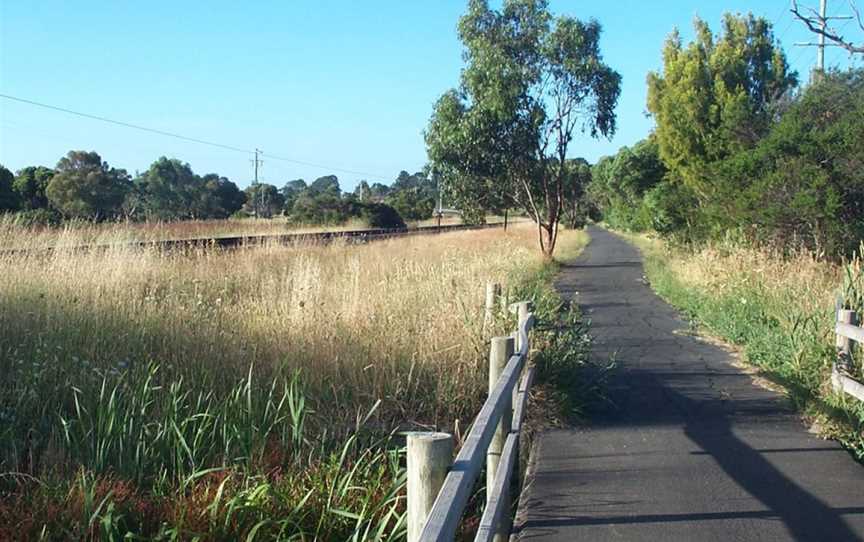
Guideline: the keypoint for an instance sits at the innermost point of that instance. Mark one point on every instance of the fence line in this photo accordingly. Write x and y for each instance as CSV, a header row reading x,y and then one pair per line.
x,y
848,332
501,417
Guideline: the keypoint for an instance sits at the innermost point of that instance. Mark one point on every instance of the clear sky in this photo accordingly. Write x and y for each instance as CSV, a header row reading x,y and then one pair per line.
x,y
343,84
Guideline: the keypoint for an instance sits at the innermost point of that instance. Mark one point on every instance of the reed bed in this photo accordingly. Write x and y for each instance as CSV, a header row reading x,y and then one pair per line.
x,y
243,393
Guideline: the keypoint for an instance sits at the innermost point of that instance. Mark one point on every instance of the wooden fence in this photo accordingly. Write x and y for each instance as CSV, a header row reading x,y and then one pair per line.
x,y
848,332
438,487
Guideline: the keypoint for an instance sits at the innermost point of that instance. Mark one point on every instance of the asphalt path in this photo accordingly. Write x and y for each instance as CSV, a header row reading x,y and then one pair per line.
x,y
692,449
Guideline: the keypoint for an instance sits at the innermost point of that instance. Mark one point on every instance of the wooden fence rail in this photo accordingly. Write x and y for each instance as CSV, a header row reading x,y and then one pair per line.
x,y
493,436
848,332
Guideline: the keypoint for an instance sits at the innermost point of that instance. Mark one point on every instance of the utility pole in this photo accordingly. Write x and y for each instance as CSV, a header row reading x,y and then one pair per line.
x,y
257,207
823,24
257,161
822,20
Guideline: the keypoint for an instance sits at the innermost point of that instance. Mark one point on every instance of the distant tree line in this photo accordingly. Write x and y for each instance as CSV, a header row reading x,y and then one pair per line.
x,y
737,150
83,186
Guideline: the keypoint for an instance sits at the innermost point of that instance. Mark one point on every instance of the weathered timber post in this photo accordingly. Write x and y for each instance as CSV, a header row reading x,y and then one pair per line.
x,y
522,310
430,456
844,344
493,291
499,354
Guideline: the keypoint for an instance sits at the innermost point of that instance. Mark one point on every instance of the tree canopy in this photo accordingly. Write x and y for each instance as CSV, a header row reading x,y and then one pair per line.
x,y
714,96
9,199
86,187
531,83
31,183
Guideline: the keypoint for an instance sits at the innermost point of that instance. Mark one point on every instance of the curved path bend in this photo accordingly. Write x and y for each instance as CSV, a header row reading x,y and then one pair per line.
x,y
693,450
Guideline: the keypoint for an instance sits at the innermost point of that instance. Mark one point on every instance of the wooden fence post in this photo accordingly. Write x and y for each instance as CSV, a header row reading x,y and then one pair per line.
x,y
430,456
493,291
522,310
499,354
844,344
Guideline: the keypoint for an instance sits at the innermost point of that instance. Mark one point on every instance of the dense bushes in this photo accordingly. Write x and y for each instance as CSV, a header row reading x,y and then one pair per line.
x,y
381,215
735,153
800,186
620,183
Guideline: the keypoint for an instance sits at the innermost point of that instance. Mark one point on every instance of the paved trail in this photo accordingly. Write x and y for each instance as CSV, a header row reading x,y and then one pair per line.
x,y
694,450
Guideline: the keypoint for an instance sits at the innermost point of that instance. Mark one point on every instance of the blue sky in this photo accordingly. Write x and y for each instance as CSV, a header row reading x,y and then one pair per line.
x,y
343,84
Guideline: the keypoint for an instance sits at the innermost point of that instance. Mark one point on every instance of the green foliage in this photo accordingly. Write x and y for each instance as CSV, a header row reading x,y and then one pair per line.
x,y
86,187
573,385
291,191
9,199
802,184
320,208
263,200
620,183
530,83
328,185
38,217
222,198
413,196
713,97
31,183
410,197
381,215
169,190
673,210
363,191
576,181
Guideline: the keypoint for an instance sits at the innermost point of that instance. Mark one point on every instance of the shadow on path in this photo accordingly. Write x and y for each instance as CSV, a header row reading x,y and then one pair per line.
x,y
693,450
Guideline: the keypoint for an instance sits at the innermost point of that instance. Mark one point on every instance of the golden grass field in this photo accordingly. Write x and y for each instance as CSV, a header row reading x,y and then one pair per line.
x,y
148,368
17,235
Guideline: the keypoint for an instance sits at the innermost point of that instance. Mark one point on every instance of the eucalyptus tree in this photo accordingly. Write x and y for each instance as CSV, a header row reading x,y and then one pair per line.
x,y
30,183
532,82
9,198
85,186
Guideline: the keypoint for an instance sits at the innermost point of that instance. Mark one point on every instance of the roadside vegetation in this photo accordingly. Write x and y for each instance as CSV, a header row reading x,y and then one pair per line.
x,y
749,195
239,394
779,309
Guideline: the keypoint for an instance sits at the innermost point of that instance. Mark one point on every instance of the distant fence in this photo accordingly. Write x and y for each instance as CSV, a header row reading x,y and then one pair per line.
x,y
438,487
244,241
848,332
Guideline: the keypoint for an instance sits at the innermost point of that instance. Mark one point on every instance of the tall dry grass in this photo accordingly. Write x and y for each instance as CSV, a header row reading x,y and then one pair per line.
x,y
19,234
153,368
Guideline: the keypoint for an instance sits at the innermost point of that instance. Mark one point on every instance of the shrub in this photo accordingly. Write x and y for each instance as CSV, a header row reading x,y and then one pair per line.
x,y
381,215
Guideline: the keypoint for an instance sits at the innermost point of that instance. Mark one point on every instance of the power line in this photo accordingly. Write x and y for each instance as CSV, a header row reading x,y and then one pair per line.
x,y
336,169
126,124
191,139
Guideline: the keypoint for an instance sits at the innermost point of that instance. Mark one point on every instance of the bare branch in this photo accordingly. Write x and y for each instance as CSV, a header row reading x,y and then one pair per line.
x,y
815,25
